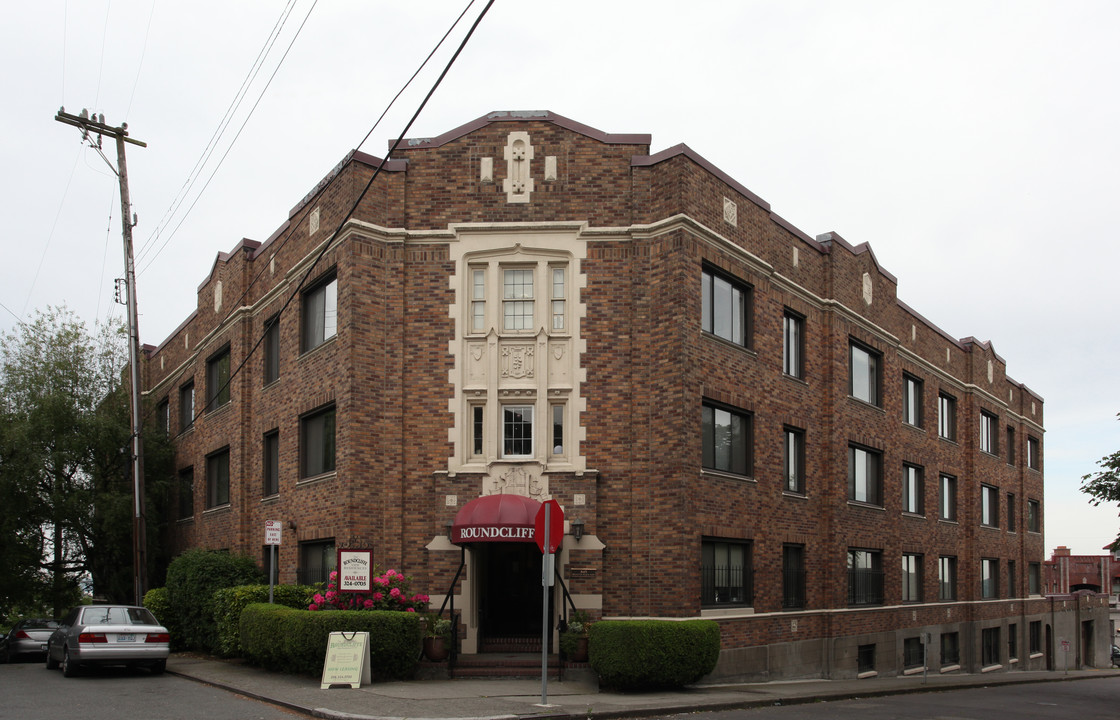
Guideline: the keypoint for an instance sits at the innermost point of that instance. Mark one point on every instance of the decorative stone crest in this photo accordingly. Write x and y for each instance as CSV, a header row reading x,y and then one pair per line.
x,y
730,212
518,361
867,296
518,154
517,481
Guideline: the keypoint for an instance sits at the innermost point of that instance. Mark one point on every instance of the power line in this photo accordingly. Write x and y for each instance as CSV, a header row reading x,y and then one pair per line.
x,y
143,54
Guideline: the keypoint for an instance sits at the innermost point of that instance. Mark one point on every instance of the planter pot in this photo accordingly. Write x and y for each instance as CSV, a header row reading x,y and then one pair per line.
x,y
435,649
579,652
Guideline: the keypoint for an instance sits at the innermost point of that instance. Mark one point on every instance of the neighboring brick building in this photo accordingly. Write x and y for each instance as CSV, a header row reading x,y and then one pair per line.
x,y
740,421
1065,573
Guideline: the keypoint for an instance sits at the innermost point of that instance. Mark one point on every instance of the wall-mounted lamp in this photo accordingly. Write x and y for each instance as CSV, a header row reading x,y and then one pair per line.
x,y
576,526
291,524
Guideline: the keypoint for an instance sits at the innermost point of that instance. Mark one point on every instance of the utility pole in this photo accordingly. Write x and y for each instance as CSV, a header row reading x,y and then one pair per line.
x,y
96,125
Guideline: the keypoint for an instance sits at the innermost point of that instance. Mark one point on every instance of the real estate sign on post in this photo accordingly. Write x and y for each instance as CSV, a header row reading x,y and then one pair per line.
x,y
355,570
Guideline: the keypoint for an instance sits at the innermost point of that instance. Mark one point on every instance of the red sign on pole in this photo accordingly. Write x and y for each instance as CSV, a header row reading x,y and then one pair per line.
x,y
549,539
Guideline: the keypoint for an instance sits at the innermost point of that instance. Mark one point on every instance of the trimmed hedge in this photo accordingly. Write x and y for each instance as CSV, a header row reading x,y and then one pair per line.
x,y
229,602
295,641
192,579
653,654
159,602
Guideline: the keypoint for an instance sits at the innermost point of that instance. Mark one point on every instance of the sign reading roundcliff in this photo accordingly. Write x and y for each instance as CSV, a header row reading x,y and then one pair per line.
x,y
355,570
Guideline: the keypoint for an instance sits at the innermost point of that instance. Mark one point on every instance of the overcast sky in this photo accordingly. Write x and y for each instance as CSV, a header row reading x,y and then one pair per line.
x,y
973,144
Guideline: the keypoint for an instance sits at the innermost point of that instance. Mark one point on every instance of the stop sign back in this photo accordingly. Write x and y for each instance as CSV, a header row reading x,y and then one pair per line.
x,y
549,539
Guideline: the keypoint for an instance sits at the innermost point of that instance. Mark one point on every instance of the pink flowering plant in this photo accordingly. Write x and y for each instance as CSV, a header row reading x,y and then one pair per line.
x,y
390,592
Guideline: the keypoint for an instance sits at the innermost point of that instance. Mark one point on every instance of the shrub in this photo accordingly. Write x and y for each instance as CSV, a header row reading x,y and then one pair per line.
x,y
295,641
159,602
192,579
229,602
651,654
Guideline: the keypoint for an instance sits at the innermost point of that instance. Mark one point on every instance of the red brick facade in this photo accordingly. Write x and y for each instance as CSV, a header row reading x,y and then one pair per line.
x,y
631,368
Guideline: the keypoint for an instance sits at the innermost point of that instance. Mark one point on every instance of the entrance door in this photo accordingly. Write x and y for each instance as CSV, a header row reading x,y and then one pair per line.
x,y
510,598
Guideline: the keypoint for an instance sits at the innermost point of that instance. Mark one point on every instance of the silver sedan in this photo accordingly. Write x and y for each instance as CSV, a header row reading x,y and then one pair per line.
x,y
27,637
108,635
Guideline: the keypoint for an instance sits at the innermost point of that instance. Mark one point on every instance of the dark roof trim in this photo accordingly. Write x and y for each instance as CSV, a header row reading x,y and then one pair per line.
x,y
246,246
524,116
834,237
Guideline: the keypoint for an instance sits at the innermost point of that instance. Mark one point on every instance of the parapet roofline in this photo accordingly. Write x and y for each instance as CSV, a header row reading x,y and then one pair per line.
x,y
523,116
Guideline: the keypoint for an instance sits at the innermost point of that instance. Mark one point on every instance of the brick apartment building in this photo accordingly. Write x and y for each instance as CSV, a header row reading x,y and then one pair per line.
x,y
740,421
1065,573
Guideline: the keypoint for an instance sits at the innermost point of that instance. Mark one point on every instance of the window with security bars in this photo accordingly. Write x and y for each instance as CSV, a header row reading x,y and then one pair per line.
x,y
1034,637
1012,641
793,577
912,656
316,561
950,648
725,573
989,646
865,577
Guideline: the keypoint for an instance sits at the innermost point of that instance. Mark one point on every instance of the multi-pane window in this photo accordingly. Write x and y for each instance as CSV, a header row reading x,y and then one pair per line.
x,y
1034,459
1010,445
272,349
989,506
793,460
557,411
793,576
320,313
517,431
1011,512
911,400
217,380
912,652
912,489
950,648
186,407
725,573
559,295
217,478
1034,578
865,577
727,438
271,464
989,578
726,308
989,433
793,344
865,475
186,493
911,577
947,497
478,300
163,416
316,561
864,371
517,299
947,416
478,414
989,646
1034,637
317,442
1034,516
947,577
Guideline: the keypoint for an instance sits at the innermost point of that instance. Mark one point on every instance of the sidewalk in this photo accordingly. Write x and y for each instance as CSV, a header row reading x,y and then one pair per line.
x,y
513,699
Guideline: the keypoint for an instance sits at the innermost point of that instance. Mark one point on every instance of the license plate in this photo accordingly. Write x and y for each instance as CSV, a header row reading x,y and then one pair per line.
x,y
126,638
43,647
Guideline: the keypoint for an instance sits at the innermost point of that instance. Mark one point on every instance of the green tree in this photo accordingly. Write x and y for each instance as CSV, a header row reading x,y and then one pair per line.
x,y
1104,485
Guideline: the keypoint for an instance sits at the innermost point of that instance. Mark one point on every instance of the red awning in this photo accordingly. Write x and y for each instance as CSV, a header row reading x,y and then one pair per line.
x,y
496,518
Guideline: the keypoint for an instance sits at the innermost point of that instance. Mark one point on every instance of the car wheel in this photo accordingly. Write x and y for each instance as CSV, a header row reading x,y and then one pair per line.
x,y
159,667
69,668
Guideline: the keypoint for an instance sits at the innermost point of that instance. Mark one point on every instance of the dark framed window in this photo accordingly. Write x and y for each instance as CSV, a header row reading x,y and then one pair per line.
x,y
725,573
186,493
1012,641
317,442
557,411
793,344
947,577
950,648
864,365
793,577
1034,516
728,439
865,475
1010,445
1011,512
911,577
947,497
317,559
726,311
989,646
911,400
163,417
793,460
217,380
271,463
913,489
989,506
1012,591
865,658
1034,637
912,655
989,578
478,424
1034,453
1034,578
947,416
319,313
989,433
186,406
217,478
865,577
271,349
517,431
